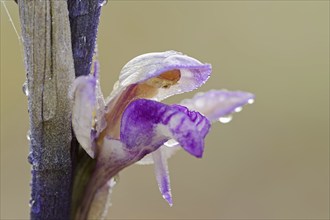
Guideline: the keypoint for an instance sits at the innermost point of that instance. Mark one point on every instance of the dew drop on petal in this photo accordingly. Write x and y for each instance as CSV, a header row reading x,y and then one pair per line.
x,y
25,88
116,85
238,109
251,101
171,143
226,119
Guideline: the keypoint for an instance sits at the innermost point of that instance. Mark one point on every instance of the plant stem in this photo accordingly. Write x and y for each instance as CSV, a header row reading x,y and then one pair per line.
x,y
50,72
49,65
84,21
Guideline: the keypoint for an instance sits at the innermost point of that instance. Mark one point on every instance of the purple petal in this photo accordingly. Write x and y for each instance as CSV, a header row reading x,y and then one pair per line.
x,y
202,123
162,175
218,103
171,147
142,68
147,124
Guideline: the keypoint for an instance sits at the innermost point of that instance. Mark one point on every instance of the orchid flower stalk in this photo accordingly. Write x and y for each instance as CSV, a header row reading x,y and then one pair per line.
x,y
133,126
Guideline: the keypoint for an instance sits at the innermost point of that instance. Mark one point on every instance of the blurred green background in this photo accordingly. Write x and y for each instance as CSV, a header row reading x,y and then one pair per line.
x,y
271,161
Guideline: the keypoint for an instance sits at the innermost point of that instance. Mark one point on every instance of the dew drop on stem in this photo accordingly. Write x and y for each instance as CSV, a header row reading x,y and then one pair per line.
x,y
103,3
25,88
28,135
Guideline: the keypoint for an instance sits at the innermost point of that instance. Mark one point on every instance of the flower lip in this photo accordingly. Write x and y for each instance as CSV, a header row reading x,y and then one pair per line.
x,y
147,123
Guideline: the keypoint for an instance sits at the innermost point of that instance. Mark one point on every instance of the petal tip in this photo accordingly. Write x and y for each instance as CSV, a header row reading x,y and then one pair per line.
x,y
195,149
90,152
198,154
168,197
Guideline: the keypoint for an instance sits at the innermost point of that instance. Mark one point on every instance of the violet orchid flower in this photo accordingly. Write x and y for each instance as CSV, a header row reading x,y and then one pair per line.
x,y
132,125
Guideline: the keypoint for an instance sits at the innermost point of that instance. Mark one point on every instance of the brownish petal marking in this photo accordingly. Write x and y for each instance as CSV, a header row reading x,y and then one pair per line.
x,y
147,89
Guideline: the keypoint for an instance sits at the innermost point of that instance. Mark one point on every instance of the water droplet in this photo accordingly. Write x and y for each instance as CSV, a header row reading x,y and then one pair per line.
x,y
28,135
25,88
251,101
171,143
226,119
112,182
103,3
30,158
116,85
31,203
238,109
35,206
116,178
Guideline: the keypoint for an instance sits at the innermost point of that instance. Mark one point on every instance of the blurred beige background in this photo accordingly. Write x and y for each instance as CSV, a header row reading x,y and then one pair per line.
x,y
271,161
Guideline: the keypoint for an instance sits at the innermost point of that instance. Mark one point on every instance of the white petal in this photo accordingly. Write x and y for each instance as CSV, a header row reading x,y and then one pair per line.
x,y
147,66
100,122
88,109
84,105
167,152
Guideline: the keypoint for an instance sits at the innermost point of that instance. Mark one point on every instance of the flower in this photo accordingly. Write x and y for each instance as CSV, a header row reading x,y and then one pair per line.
x,y
132,125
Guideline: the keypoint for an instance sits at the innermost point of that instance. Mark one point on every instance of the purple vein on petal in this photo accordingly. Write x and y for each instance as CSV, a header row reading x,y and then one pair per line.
x,y
147,123
202,123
